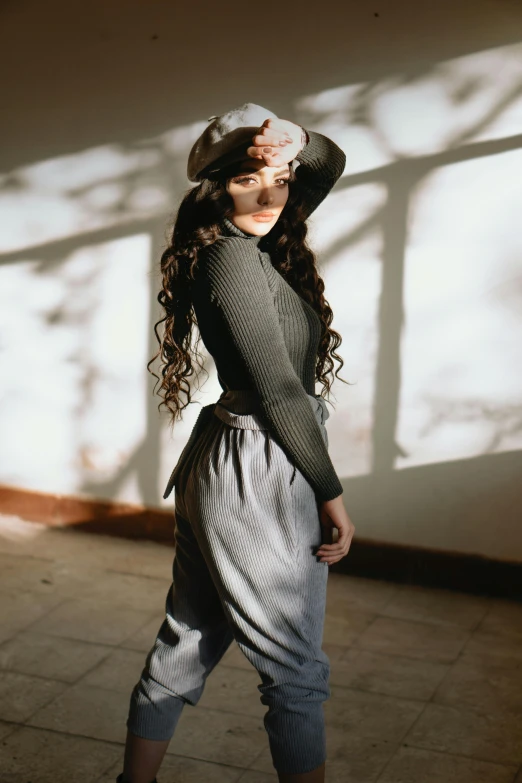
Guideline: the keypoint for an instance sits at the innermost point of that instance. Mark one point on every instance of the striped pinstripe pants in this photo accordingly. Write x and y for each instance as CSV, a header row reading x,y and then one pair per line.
x,y
247,526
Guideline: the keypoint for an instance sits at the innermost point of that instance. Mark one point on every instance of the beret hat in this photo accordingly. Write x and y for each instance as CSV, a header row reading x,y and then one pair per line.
x,y
225,140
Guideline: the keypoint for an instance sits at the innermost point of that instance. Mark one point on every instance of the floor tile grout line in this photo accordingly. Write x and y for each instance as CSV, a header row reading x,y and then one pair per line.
x,y
41,617
138,576
37,676
427,623
401,742
78,680
392,596
460,755
151,616
457,660
14,727
117,744
76,639
400,655
67,734
44,705
55,636
387,654
430,623
380,693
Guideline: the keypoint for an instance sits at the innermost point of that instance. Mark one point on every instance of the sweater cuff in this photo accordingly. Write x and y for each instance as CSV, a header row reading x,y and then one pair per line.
x,y
321,154
331,492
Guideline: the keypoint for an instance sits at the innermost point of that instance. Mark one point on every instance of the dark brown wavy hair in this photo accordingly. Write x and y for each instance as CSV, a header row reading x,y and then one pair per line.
x,y
196,225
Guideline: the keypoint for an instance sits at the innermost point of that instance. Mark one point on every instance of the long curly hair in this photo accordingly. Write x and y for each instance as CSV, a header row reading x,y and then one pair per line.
x,y
196,225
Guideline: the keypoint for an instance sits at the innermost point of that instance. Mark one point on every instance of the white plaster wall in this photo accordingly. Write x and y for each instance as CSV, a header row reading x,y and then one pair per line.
x,y
419,244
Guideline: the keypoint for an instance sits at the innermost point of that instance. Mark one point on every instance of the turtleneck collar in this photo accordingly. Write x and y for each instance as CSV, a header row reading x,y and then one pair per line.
x,y
229,229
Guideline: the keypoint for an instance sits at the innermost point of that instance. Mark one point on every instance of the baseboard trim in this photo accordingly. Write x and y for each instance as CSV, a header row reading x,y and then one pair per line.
x,y
433,568
92,516
372,559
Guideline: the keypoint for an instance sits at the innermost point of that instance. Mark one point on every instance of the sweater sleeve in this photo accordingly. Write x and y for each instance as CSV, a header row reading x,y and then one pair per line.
x,y
239,288
321,163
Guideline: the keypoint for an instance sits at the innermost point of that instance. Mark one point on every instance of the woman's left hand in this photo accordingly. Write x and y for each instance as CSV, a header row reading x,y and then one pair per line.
x,y
276,142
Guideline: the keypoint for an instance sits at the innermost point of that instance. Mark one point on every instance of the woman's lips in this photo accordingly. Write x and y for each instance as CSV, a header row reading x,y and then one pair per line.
x,y
264,217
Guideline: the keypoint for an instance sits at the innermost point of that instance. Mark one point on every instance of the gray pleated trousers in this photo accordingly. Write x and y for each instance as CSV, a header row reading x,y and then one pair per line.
x,y
246,530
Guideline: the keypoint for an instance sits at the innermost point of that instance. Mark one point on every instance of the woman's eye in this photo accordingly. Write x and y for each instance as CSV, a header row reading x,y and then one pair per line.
x,y
243,179
251,179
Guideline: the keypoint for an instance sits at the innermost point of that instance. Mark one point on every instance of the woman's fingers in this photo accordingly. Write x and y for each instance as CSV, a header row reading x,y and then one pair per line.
x,y
271,158
272,139
339,549
277,124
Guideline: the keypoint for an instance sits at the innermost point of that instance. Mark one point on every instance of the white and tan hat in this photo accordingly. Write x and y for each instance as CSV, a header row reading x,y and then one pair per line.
x,y
225,140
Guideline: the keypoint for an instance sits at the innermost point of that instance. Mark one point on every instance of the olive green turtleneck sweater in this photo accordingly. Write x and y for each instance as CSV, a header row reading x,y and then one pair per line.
x,y
262,335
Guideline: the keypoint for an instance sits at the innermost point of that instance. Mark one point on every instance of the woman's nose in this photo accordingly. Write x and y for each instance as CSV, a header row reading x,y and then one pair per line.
x,y
265,196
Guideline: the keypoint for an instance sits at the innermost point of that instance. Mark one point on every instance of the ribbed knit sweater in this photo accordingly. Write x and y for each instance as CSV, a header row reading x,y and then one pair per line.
x,y
262,335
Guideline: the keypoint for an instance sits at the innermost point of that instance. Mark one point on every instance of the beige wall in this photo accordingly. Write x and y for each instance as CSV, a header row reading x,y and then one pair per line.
x,y
419,243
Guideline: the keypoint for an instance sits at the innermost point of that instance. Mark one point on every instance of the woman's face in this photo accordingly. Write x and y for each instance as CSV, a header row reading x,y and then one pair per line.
x,y
257,188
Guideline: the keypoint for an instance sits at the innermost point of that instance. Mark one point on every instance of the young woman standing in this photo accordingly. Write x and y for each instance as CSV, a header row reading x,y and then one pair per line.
x,y
256,494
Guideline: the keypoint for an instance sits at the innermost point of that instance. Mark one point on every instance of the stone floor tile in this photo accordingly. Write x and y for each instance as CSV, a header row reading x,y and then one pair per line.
x,y
128,590
141,558
349,757
412,765
370,715
262,764
429,642
431,605
92,621
21,695
76,605
49,656
119,671
143,639
20,537
486,684
39,756
487,645
335,652
179,769
35,575
220,737
6,728
486,736
393,675
233,690
146,558
343,626
503,617
22,610
352,757
368,595
258,777
87,712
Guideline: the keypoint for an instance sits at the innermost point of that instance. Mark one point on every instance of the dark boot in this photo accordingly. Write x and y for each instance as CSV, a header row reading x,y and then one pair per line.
x,y
120,779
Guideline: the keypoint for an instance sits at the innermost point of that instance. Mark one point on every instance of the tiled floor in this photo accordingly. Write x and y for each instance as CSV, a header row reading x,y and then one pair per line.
x,y
426,684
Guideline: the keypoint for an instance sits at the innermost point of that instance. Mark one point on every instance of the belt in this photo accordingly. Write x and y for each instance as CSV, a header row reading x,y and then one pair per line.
x,y
238,408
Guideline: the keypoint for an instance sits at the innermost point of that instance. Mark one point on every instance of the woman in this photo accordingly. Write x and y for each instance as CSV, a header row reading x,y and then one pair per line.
x,y
257,496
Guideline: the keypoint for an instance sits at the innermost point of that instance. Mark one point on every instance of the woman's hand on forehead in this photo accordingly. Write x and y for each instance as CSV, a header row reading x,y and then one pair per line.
x,y
276,142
